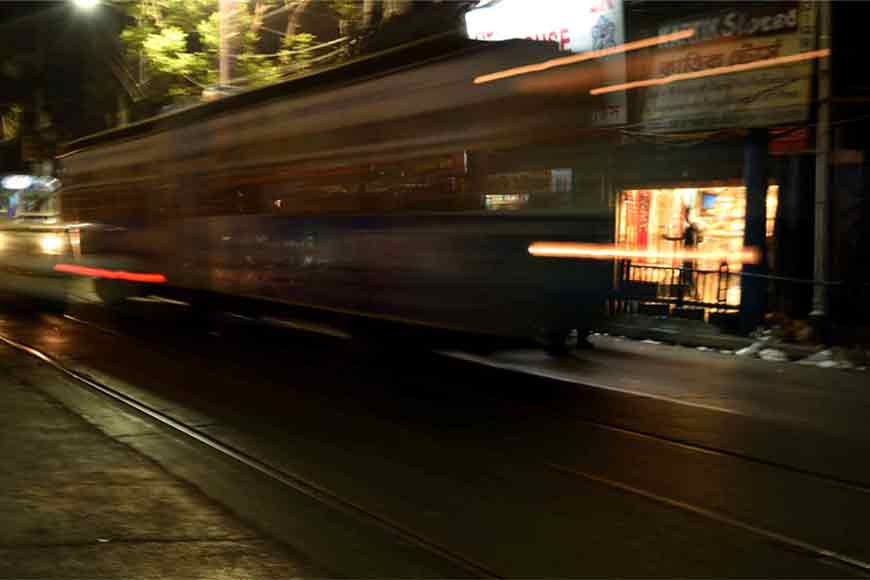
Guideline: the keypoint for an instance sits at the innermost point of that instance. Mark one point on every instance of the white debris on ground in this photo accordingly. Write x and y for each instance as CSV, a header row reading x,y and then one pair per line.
x,y
773,355
761,348
753,349
765,348
827,359
822,356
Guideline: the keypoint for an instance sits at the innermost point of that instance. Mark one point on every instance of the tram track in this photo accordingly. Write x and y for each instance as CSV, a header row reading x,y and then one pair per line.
x,y
659,438
292,481
785,540
302,485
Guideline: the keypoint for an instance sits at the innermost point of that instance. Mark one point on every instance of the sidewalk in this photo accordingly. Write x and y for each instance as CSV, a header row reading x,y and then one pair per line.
x,y
694,333
76,503
830,401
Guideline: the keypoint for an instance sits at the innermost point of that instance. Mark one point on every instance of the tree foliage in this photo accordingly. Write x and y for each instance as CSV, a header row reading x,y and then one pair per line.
x,y
174,45
10,121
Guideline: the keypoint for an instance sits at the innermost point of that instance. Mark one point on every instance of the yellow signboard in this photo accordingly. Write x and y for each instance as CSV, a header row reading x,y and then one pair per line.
x,y
762,97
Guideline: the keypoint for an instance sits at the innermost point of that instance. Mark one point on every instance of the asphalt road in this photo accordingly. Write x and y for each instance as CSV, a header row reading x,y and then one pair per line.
x,y
526,475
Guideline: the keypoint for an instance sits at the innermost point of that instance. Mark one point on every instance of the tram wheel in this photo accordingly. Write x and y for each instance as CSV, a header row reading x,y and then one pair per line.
x,y
565,341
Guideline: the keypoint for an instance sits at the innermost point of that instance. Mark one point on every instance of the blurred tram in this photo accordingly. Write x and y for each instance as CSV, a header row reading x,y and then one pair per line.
x,y
391,188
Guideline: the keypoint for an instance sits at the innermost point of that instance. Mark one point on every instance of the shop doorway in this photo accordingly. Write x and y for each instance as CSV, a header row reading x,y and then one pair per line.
x,y
658,221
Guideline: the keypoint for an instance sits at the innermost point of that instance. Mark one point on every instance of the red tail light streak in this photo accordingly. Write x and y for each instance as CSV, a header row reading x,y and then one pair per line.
x,y
611,251
147,278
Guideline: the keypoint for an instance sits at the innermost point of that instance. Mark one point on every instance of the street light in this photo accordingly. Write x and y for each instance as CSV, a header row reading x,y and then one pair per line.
x,y
16,182
85,4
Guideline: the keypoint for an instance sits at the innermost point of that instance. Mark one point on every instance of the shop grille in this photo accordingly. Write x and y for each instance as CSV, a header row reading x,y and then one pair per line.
x,y
676,287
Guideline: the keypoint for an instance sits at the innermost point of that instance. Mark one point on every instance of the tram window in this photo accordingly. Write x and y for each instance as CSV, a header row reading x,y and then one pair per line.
x,y
446,183
97,205
414,185
528,190
539,178
413,191
312,196
221,199
429,184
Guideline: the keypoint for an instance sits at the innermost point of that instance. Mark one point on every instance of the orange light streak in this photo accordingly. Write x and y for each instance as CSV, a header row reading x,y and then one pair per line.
x,y
719,70
589,55
611,251
111,274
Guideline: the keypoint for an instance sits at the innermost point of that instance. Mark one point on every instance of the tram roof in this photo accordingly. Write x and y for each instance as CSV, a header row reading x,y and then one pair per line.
x,y
439,47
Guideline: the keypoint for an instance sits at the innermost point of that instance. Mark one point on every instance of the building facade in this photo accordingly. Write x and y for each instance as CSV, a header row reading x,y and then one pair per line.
x,y
718,141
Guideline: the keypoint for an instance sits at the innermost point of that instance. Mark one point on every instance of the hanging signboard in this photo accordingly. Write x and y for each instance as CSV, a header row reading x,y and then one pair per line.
x,y
762,97
575,25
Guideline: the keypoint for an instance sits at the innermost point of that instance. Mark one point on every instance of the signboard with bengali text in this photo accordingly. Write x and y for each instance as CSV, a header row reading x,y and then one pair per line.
x,y
763,97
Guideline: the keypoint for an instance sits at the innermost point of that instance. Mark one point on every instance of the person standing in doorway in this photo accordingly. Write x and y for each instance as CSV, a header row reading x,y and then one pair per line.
x,y
690,239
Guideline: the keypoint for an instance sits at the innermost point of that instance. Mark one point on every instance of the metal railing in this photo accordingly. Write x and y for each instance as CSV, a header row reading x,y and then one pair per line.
x,y
681,286
719,289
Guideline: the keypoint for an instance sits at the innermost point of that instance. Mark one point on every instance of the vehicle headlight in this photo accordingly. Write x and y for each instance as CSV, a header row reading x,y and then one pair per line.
x,y
51,243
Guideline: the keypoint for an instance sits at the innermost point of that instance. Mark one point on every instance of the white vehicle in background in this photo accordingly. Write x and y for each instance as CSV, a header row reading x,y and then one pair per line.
x,y
33,240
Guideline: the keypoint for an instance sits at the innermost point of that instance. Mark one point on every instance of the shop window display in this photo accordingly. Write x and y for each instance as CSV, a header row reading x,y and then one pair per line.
x,y
658,221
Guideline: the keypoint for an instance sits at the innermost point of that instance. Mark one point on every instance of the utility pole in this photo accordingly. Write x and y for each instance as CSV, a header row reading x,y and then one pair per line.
x,y
40,123
821,262
753,286
227,34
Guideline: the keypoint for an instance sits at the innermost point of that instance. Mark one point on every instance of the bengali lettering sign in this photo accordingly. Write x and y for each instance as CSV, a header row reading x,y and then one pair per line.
x,y
762,97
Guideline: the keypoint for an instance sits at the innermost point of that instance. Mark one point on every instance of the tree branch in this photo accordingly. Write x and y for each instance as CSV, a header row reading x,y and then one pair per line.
x,y
257,21
295,14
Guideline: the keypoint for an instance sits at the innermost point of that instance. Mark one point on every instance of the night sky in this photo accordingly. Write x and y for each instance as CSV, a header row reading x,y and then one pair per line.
x,y
49,46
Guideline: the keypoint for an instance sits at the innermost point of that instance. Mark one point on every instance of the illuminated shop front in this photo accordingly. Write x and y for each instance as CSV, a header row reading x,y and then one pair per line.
x,y
655,220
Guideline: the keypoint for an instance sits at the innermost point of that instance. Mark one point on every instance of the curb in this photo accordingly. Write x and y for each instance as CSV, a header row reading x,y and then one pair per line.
x,y
695,339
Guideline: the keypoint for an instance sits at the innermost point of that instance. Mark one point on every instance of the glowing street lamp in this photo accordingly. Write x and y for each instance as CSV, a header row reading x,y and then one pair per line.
x,y
85,4
16,182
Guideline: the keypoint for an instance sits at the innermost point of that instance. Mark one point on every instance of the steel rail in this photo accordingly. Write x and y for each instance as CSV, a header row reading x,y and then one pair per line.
x,y
313,490
291,480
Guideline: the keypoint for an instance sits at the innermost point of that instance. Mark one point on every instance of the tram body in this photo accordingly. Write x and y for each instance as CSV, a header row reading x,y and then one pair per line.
x,y
377,189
